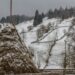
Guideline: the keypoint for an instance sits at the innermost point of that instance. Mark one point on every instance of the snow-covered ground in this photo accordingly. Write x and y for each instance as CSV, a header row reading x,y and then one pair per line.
x,y
40,47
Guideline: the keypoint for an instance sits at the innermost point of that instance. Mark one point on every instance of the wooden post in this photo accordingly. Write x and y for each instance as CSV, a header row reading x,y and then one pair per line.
x,y
64,72
10,7
11,11
69,55
23,34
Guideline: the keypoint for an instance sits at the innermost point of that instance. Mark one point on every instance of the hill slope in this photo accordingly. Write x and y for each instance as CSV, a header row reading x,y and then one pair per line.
x,y
46,41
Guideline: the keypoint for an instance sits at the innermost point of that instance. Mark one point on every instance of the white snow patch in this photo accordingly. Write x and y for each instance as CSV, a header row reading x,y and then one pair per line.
x,y
41,50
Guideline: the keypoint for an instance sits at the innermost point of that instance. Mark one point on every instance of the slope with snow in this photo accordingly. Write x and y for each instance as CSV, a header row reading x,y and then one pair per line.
x,y
44,55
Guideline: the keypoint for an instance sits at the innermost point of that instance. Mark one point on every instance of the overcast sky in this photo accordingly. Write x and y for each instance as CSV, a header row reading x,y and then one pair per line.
x,y
28,7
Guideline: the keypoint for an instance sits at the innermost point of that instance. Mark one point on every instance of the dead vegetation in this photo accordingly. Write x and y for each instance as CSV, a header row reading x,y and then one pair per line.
x,y
14,56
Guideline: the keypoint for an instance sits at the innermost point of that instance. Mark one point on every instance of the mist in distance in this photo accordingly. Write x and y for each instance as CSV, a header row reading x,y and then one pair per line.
x,y
28,7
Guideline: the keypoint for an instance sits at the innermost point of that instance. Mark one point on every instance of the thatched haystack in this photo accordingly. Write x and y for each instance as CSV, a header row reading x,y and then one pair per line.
x,y
14,56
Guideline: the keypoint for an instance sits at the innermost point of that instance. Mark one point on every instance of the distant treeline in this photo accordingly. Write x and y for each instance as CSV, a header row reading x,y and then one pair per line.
x,y
57,13
15,19
61,13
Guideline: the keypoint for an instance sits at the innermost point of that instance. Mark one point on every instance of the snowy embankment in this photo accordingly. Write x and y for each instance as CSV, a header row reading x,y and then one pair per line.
x,y
48,50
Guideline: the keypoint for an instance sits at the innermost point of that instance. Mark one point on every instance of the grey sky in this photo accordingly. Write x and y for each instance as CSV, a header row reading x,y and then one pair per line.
x,y
28,7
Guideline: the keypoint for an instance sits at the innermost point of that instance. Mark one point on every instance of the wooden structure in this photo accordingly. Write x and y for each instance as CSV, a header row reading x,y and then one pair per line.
x,y
14,55
10,7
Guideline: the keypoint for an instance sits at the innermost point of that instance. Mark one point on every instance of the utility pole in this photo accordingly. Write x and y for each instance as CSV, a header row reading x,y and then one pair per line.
x,y
10,7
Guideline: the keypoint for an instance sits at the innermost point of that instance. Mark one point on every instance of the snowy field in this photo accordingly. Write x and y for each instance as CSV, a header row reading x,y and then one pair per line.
x,y
48,49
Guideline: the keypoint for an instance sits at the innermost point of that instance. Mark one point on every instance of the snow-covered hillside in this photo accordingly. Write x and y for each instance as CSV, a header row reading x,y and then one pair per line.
x,y
46,42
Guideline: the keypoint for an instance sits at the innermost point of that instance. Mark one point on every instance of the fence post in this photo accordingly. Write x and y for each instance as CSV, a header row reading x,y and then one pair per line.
x,y
69,55
64,72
